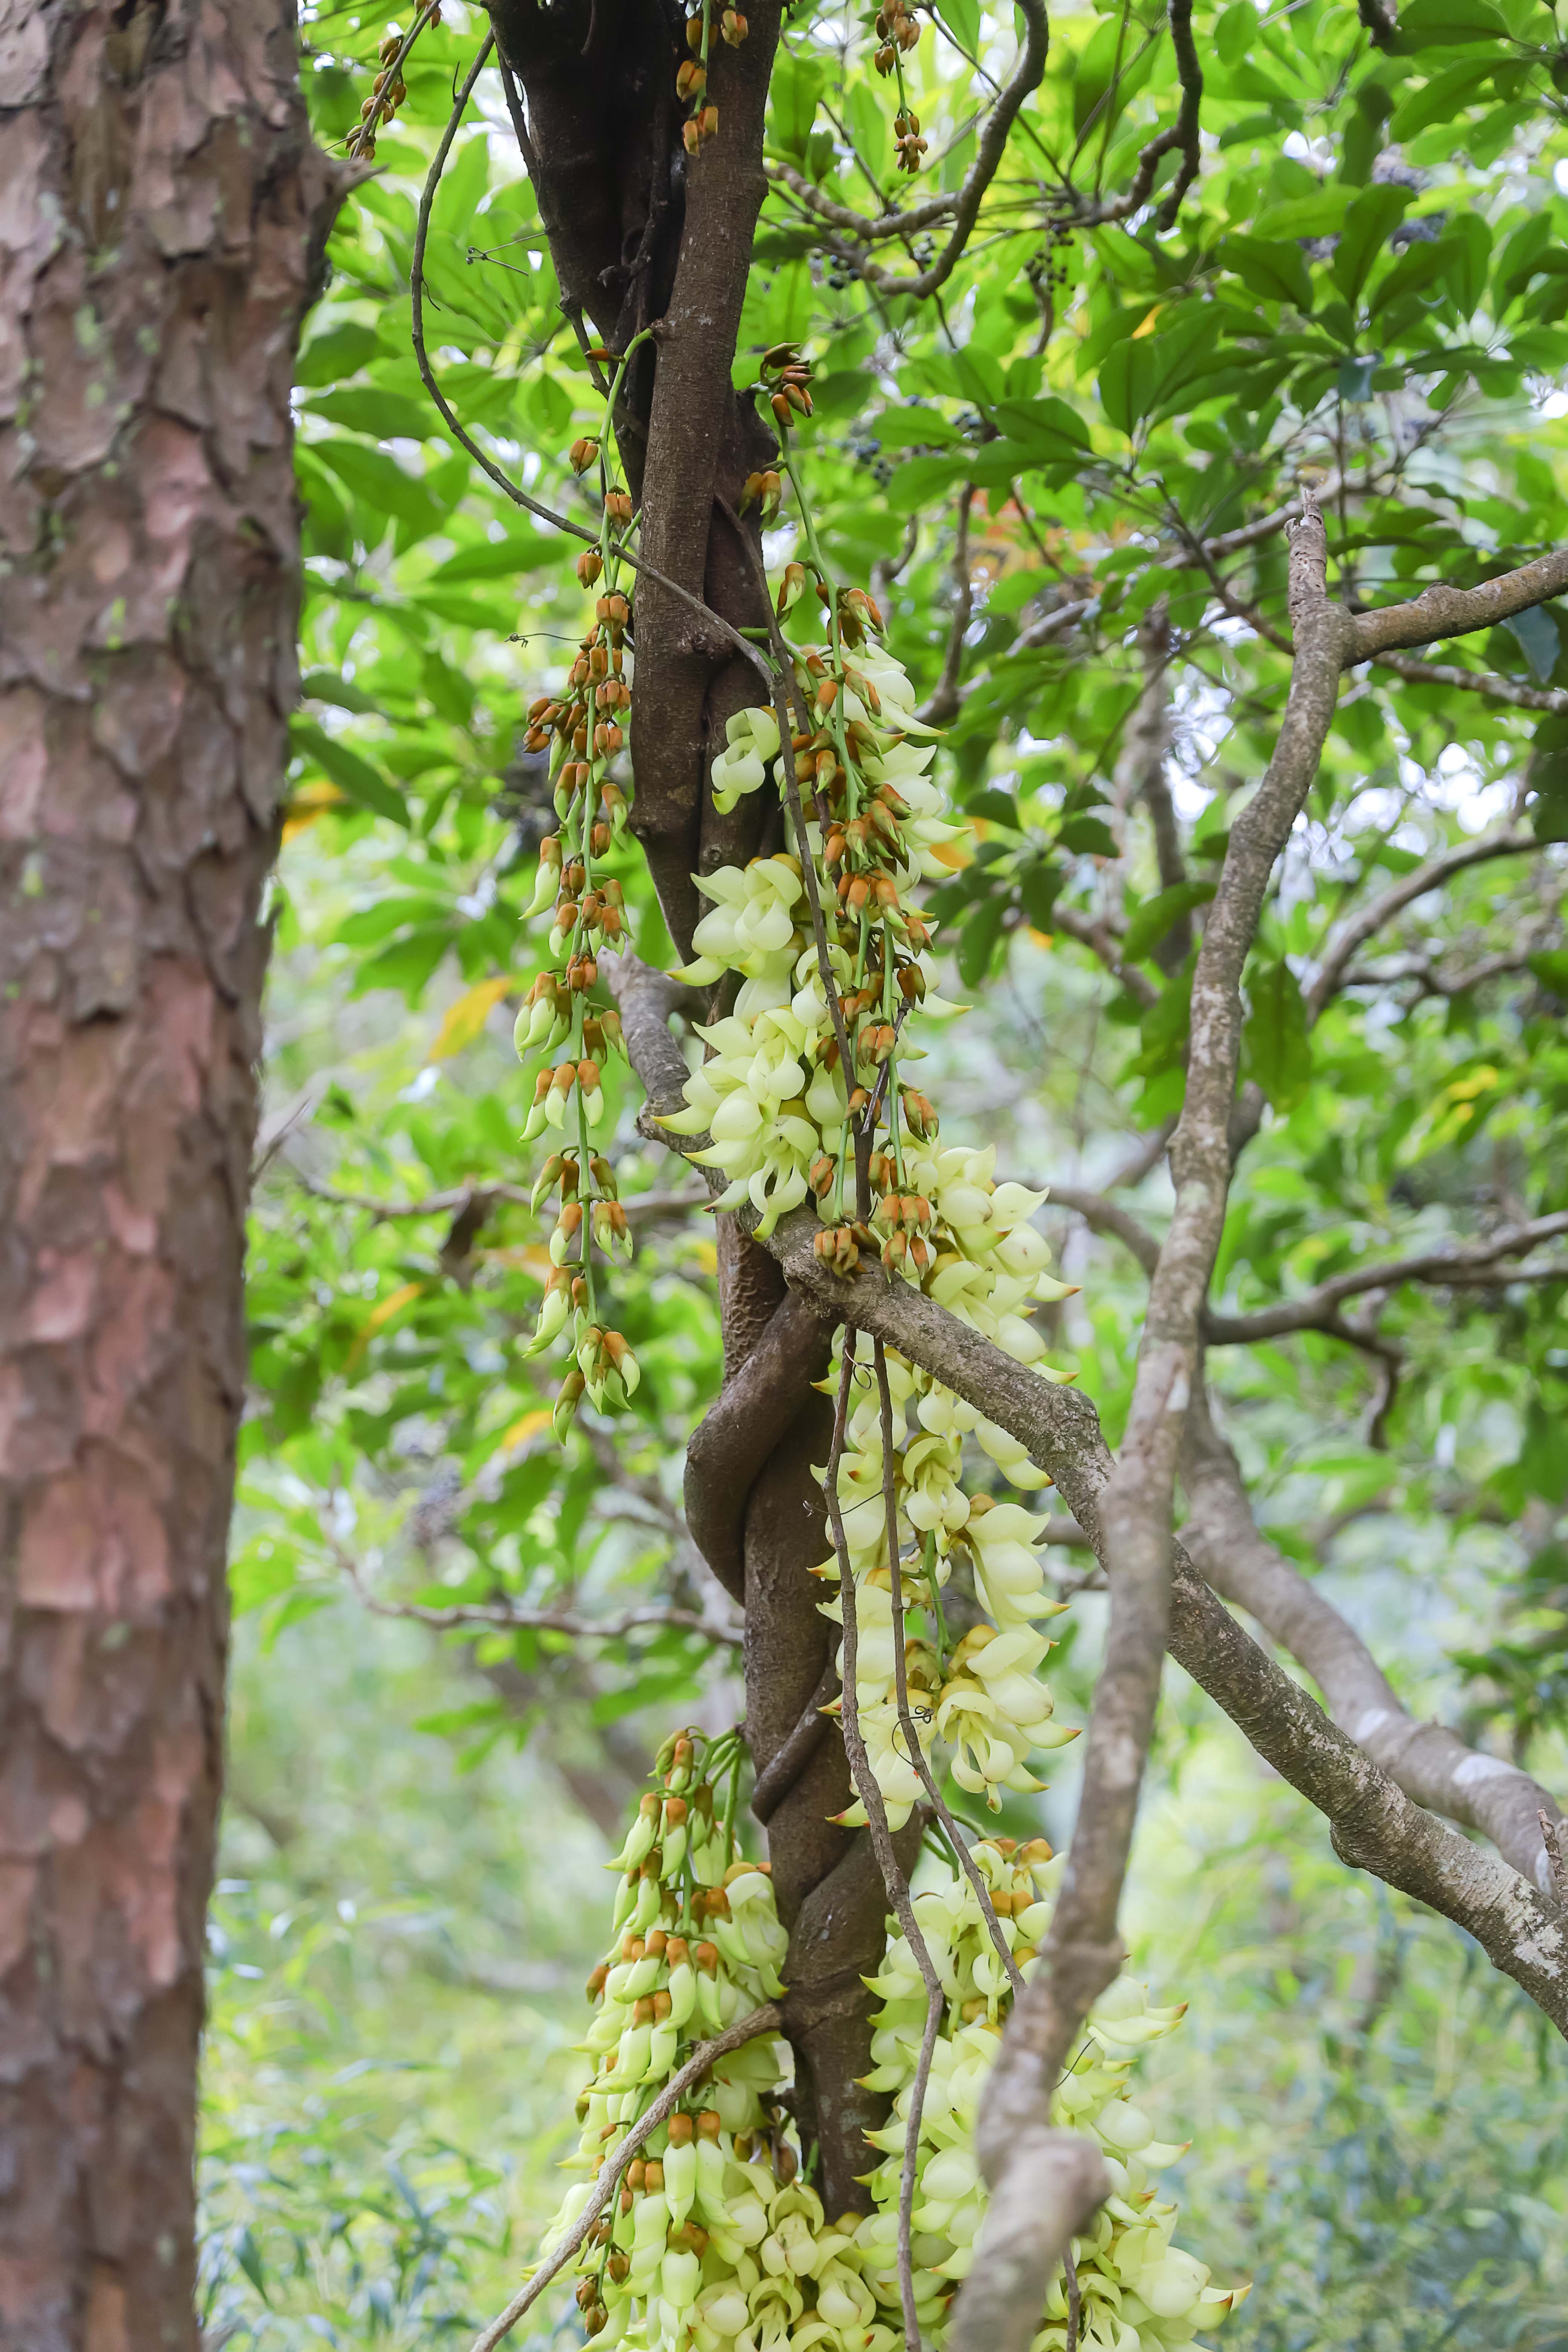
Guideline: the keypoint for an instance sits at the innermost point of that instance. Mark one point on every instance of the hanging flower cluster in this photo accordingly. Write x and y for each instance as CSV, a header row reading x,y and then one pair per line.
x,y
585,729
1139,2292
981,1695
714,2240
691,77
389,90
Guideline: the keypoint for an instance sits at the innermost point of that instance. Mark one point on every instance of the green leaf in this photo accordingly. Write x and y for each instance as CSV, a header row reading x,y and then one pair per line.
x,y
338,352
1088,836
1369,224
1536,633
1550,969
1040,887
384,416
349,770
797,87
1152,921
1127,382
1277,1050
511,558
1449,23
1356,375
997,807
1048,429
1275,270
977,940
380,489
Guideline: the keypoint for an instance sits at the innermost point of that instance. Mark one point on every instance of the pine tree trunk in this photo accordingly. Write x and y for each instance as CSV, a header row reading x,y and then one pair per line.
x,y
162,210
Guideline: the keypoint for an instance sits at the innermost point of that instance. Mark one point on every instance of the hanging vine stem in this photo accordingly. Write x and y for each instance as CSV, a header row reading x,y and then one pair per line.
x,y
893,1878
465,440
907,1725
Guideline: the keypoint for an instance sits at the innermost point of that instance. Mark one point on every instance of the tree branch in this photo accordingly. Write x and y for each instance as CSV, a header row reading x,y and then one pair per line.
x,y
1353,937
856,225
1430,1763
1443,612
1025,77
1106,1216
1316,1309
1475,681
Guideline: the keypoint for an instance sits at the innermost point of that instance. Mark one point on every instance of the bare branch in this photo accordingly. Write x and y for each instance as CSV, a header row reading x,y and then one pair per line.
x,y
1348,941
1025,77
769,2018
1475,681
1098,937
502,1616
1433,980
854,224
1104,1216
461,1197
1443,612
1183,137
1430,1763
1315,1310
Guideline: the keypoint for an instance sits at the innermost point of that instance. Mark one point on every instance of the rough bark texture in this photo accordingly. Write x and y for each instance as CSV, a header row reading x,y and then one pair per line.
x,y
161,212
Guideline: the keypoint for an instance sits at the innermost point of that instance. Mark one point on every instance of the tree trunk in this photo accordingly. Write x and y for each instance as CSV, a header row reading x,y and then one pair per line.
x,y
161,210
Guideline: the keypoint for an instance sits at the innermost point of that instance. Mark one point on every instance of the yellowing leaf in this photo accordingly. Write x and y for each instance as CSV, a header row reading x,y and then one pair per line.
x,y
380,1314
464,1020
526,1425
305,805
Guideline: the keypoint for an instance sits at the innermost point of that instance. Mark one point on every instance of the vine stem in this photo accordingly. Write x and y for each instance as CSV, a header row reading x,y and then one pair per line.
x,y
465,439
907,1725
768,2019
893,1878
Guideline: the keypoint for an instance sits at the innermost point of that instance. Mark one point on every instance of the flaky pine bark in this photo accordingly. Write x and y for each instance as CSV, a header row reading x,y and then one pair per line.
x,y
162,211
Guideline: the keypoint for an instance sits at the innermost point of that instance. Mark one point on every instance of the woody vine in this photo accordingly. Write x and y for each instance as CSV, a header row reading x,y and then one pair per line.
x,y
871,2088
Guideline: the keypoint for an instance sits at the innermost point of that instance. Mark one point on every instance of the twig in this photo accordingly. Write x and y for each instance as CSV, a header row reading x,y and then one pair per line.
x,y
1075,2301
1103,1216
1184,135
907,1725
1347,942
1309,1312
464,1196
1475,681
1026,76
507,1619
853,224
768,2019
368,127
